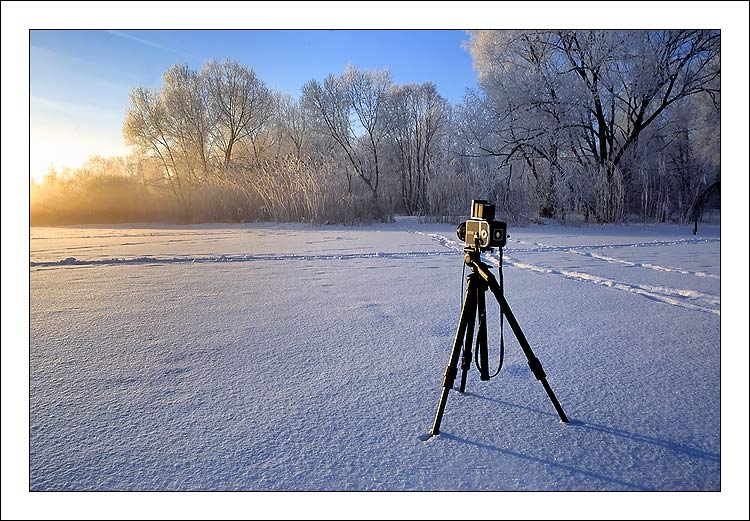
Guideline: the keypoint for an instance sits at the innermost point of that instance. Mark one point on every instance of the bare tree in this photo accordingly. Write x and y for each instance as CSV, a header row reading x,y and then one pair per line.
x,y
187,118
417,115
351,108
240,106
147,126
295,125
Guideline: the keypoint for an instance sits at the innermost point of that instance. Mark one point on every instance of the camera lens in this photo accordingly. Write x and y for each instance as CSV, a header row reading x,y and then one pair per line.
x,y
461,231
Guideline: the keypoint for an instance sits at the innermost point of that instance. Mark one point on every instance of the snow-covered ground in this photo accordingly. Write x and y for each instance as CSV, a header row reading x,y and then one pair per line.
x,y
290,357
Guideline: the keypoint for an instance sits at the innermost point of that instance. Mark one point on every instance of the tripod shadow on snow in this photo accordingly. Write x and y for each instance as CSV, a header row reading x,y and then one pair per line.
x,y
580,424
533,459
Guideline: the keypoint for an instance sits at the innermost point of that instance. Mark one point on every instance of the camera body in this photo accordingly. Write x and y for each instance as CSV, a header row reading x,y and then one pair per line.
x,y
482,229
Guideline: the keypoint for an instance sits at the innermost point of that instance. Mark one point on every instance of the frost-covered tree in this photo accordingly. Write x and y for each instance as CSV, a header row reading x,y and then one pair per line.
x,y
417,119
188,120
582,102
352,110
241,107
295,126
149,127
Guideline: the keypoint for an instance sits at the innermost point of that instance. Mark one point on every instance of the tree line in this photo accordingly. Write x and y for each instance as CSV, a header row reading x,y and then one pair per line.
x,y
595,125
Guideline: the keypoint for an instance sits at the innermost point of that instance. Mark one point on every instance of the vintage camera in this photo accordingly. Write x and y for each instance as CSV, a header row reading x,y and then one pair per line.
x,y
482,229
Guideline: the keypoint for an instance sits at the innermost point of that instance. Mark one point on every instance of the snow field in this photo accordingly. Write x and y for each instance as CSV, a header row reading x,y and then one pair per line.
x,y
285,357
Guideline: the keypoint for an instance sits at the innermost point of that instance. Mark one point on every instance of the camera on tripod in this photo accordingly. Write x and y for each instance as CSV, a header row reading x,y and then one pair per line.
x,y
482,233
482,229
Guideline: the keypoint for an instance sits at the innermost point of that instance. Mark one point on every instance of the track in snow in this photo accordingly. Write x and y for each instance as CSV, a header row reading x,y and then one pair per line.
x,y
685,298
72,261
577,251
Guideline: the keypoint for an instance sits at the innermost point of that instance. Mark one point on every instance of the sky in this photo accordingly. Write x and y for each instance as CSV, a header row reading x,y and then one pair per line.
x,y
80,80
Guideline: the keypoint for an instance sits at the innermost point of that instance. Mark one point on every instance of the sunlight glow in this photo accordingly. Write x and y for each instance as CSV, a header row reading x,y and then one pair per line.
x,y
60,146
66,134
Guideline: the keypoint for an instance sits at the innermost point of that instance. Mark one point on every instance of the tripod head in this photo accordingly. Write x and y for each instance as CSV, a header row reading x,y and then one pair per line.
x,y
472,252
472,258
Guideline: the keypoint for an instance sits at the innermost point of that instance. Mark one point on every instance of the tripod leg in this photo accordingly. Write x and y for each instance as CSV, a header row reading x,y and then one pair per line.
x,y
467,314
466,358
534,364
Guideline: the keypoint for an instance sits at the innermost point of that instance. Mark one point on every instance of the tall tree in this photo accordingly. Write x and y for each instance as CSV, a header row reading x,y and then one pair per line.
x,y
186,106
418,115
351,108
148,127
240,106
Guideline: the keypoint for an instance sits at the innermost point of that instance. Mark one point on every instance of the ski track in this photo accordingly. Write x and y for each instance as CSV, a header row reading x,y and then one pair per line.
x,y
689,299
541,248
613,260
72,261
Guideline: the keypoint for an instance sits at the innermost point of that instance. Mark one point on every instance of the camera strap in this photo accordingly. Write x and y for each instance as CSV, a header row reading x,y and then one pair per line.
x,y
502,341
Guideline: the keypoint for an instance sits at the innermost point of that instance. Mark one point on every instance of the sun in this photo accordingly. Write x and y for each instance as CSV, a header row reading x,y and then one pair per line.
x,y
62,145
54,149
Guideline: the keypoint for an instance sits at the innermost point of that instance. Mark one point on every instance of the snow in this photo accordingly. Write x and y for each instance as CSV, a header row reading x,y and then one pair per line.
x,y
292,357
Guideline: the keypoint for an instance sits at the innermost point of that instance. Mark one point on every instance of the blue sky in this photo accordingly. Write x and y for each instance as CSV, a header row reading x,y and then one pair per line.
x,y
80,80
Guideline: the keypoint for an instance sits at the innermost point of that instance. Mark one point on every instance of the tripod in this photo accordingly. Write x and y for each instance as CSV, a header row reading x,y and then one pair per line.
x,y
479,280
